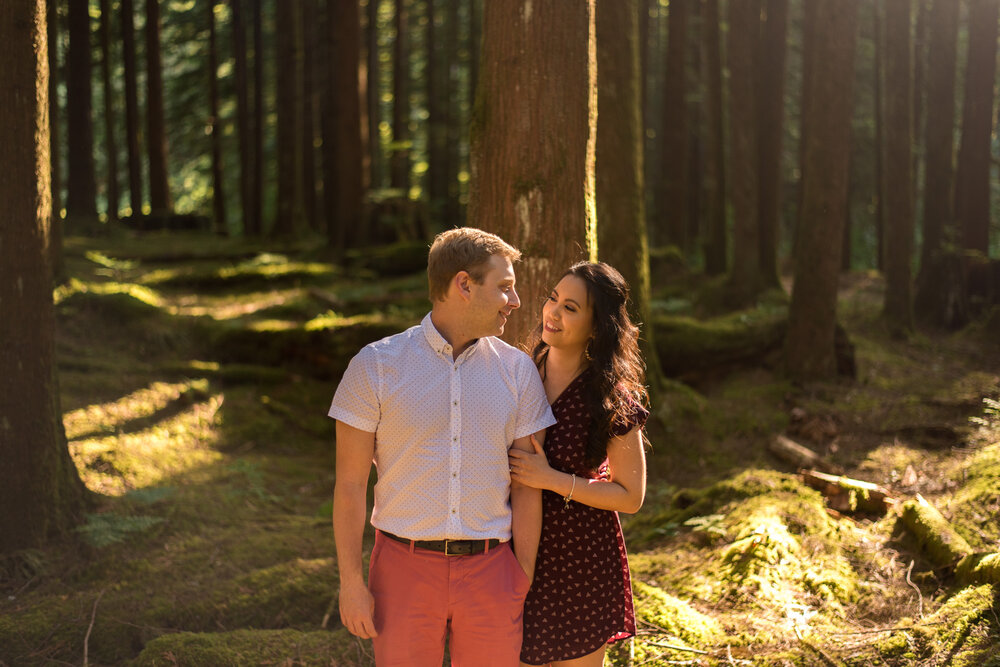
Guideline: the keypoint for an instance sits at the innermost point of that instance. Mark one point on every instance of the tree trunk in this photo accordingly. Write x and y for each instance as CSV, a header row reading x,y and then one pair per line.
x,y
714,179
898,304
81,196
159,189
879,112
110,148
672,214
940,292
243,122
257,175
453,114
921,31
400,159
311,91
771,109
132,108
345,196
827,104
437,68
288,23
745,279
55,149
374,97
620,191
218,181
40,490
532,163
972,187
475,47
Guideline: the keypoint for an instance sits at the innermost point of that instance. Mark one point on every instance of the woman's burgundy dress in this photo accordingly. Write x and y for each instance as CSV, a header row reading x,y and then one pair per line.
x,y
581,597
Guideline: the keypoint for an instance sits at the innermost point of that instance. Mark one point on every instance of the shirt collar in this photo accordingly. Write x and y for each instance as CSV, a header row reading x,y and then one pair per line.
x,y
438,342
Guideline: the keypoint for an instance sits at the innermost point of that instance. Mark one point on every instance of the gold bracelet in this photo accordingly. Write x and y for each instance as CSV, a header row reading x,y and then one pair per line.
x,y
571,490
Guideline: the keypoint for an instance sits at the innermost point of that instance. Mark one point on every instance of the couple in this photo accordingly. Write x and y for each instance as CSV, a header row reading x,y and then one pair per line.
x,y
458,514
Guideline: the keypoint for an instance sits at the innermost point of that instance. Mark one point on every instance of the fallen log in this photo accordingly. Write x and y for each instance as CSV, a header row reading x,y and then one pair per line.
x,y
943,546
798,455
849,495
979,568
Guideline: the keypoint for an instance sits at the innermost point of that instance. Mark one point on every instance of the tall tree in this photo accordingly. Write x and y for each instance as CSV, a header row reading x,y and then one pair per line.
x,y
940,292
374,95
310,26
714,178
343,143
437,104
110,147
156,140
827,102
255,222
879,113
290,98
55,150
921,30
454,136
400,159
40,490
620,192
672,213
533,162
745,278
898,305
972,186
218,180
131,107
81,195
770,117
244,125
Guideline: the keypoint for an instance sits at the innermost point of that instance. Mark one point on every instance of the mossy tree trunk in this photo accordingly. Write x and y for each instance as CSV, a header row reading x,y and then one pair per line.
x,y
673,187
620,196
533,157
771,113
40,490
827,109
972,186
81,191
156,140
940,295
898,302
714,178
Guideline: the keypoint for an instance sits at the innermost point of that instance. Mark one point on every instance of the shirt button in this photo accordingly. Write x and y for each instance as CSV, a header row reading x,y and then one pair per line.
x,y
453,511
454,402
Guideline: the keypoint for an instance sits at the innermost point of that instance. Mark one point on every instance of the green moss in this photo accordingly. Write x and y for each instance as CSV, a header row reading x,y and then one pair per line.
x,y
979,569
673,621
942,544
244,647
975,504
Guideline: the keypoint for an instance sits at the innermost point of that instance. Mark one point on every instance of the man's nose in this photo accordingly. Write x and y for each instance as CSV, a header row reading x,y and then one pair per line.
x,y
515,300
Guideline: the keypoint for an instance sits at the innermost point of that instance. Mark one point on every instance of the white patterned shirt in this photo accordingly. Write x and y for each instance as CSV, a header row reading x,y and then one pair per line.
x,y
442,430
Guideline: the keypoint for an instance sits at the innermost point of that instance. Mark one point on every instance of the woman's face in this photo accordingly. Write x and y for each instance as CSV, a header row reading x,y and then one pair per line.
x,y
568,316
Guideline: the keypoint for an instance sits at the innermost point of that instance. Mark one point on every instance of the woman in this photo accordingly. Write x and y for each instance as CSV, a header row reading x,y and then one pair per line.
x,y
592,466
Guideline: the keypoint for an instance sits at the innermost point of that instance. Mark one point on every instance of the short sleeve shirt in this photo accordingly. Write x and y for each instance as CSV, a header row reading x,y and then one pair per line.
x,y
442,430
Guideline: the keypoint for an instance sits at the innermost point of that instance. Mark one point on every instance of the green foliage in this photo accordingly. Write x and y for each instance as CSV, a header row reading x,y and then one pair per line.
x,y
102,530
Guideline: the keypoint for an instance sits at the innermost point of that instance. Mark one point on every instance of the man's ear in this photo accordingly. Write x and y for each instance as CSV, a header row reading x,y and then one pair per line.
x,y
462,282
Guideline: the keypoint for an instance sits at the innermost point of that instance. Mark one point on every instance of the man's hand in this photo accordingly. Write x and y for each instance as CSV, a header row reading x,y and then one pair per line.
x,y
357,609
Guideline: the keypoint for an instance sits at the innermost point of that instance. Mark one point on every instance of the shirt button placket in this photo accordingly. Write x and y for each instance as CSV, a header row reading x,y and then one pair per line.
x,y
454,490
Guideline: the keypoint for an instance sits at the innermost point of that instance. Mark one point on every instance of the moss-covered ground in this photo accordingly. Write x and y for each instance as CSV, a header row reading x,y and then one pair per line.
x,y
195,377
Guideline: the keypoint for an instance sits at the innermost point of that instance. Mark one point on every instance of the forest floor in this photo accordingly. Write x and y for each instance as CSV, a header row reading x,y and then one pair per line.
x,y
196,374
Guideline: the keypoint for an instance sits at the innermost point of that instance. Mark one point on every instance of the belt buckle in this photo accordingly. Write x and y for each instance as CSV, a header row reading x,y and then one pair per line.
x,y
446,543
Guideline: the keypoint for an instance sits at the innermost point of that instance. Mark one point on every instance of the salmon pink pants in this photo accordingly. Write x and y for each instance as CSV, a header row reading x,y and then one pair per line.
x,y
423,597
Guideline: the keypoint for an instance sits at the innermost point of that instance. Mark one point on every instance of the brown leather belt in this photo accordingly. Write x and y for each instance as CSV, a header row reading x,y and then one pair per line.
x,y
449,547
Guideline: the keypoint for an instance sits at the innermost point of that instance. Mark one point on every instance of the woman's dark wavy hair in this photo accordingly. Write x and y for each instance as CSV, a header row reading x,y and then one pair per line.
x,y
616,381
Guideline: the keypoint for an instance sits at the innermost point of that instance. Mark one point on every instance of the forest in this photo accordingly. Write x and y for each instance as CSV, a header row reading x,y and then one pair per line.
x,y
211,205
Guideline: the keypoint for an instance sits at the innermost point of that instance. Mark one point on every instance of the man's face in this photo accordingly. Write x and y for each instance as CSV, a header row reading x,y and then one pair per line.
x,y
491,302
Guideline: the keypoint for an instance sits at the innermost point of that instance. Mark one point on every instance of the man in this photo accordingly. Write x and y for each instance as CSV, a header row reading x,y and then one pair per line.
x,y
437,407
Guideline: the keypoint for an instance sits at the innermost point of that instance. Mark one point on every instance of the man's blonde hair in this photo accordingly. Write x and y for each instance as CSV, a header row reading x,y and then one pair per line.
x,y
463,249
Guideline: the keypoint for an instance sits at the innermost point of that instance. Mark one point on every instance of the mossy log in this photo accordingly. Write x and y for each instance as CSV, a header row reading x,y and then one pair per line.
x,y
942,545
691,349
979,568
849,495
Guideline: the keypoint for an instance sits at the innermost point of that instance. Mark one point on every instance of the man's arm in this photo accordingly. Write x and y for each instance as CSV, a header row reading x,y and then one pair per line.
x,y
355,449
526,510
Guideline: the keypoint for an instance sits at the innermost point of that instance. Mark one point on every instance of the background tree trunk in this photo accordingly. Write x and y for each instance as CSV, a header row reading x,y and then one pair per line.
x,y
400,160
437,69
940,292
453,116
672,214
533,162
110,148
288,26
40,490
827,102
132,108
898,304
257,174
243,122
55,148
374,96
879,112
309,25
714,179
219,223
81,195
771,110
344,203
156,142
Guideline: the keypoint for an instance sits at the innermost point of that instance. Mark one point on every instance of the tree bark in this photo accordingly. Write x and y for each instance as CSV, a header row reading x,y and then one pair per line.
x,y
40,490
532,162
771,110
159,188
940,291
81,195
219,223
898,303
55,149
288,24
437,68
257,175
374,97
400,158
972,187
714,179
879,112
827,111
110,147
673,186
453,114
310,22
243,122
132,108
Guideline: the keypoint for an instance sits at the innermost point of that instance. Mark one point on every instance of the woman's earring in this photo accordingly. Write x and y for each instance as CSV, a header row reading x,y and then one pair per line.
x,y
586,352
